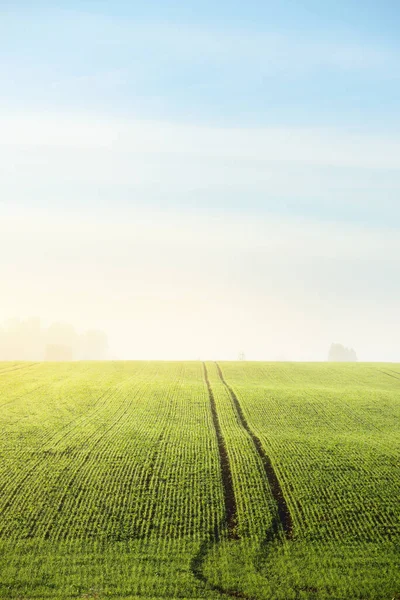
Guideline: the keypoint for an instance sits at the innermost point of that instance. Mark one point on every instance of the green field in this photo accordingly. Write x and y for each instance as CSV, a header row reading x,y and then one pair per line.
x,y
182,480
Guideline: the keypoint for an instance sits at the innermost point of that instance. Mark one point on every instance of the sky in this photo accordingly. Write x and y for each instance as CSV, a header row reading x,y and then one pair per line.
x,y
201,179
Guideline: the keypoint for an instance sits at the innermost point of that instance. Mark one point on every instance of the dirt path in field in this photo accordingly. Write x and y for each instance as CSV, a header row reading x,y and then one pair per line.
x,y
282,521
283,517
226,471
390,374
230,518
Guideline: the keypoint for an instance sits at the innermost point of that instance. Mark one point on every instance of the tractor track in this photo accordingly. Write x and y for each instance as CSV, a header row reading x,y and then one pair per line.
x,y
282,521
226,471
283,516
390,374
229,520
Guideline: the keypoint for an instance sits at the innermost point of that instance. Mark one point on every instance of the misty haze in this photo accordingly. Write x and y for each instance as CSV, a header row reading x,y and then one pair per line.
x,y
199,300
29,340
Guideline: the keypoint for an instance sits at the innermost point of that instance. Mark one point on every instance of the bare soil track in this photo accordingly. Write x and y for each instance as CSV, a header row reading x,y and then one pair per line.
x,y
282,521
226,472
390,374
230,519
284,516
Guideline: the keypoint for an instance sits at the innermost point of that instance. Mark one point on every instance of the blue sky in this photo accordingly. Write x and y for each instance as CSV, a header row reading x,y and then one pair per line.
x,y
252,64
169,116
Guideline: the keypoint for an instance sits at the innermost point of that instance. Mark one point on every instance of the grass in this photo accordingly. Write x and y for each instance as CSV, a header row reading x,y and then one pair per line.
x,y
168,480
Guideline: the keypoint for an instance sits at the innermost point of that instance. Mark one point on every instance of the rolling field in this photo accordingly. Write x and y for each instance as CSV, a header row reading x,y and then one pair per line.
x,y
246,480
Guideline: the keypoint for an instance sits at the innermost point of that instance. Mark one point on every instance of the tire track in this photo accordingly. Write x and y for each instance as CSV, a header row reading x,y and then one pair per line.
x,y
226,471
282,520
229,520
283,517
389,374
25,365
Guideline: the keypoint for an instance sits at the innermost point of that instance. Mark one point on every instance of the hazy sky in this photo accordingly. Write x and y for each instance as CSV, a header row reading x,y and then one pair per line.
x,y
199,178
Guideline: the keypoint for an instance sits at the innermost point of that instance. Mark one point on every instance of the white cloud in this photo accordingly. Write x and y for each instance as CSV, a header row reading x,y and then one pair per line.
x,y
86,160
316,146
275,238
176,286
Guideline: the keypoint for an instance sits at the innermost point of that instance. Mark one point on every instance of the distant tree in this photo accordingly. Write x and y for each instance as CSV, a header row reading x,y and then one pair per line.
x,y
63,335
57,352
93,345
339,353
26,340
21,340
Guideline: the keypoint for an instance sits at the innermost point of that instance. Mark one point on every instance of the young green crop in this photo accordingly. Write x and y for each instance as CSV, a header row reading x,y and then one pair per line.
x,y
111,482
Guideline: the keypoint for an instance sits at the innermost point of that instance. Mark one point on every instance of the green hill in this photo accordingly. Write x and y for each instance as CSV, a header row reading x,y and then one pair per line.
x,y
187,480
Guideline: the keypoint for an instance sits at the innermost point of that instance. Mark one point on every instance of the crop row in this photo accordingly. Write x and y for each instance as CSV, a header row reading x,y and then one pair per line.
x,y
336,458
127,468
255,504
112,482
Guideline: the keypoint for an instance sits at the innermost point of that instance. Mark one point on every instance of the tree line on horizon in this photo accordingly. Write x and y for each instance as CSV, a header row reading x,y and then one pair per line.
x,y
27,339
339,353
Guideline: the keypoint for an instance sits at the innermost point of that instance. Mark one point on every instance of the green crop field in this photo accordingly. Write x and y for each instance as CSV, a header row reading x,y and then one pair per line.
x,y
187,480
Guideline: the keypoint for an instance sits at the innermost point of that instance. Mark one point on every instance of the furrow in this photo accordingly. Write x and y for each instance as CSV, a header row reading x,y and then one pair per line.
x,y
226,471
283,512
